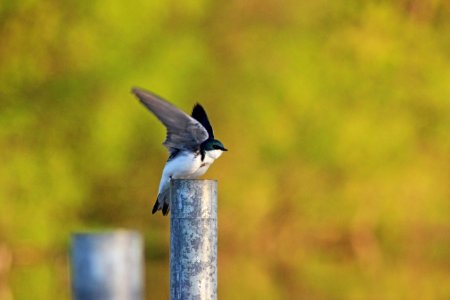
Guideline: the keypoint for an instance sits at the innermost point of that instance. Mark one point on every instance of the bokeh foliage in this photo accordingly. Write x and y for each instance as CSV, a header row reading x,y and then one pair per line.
x,y
336,114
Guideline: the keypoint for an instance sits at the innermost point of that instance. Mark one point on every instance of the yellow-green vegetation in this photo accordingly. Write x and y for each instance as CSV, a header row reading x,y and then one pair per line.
x,y
336,114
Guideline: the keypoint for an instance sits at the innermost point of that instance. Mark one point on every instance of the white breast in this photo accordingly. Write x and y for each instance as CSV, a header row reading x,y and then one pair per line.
x,y
187,165
213,154
210,157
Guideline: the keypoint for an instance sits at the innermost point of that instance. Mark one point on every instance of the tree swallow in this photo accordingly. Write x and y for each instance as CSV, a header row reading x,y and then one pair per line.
x,y
190,141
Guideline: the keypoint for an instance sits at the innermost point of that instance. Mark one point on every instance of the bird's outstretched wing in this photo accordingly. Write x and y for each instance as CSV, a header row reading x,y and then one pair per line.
x,y
183,131
200,115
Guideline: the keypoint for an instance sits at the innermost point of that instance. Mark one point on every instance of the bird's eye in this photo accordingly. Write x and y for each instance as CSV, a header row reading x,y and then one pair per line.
x,y
216,147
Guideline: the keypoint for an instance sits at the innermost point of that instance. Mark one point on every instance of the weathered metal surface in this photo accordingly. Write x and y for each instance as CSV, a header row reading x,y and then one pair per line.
x,y
193,240
107,266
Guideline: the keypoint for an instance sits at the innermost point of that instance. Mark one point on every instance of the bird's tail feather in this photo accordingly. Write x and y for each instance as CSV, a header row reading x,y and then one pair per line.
x,y
162,203
165,209
156,206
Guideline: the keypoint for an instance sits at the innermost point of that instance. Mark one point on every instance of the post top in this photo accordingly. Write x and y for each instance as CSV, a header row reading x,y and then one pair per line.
x,y
193,198
106,233
194,180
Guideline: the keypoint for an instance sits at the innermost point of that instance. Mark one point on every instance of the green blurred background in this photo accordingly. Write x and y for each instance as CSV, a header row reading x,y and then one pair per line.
x,y
336,114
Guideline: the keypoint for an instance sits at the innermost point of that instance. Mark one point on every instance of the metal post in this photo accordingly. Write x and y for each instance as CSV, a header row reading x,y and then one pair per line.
x,y
107,266
193,240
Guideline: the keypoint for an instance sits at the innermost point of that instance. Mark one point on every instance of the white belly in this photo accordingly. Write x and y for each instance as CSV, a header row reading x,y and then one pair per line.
x,y
187,165
210,157
183,165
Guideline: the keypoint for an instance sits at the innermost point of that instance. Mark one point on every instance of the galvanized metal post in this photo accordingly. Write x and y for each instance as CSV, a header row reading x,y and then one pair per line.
x,y
107,266
193,240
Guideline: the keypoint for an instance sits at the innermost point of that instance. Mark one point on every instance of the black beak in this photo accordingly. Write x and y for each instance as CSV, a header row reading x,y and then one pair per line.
x,y
223,149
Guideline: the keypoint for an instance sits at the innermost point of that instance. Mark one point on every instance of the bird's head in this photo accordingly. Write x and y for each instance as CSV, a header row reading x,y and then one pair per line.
x,y
210,145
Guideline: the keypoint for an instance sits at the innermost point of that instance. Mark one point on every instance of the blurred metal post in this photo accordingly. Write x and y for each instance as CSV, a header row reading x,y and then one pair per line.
x,y
193,239
107,266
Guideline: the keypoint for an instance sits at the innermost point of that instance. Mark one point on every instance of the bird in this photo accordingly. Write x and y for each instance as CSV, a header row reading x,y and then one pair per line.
x,y
189,140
